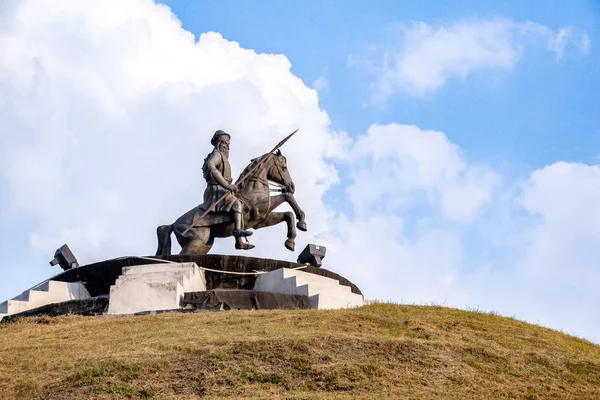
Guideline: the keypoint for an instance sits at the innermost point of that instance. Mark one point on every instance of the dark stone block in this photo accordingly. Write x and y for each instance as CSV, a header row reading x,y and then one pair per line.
x,y
234,299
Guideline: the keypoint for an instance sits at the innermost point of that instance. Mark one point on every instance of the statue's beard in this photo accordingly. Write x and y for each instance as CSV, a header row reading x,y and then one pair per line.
x,y
225,151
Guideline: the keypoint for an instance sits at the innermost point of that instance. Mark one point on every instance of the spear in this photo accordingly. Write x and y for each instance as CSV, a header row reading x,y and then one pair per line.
x,y
239,181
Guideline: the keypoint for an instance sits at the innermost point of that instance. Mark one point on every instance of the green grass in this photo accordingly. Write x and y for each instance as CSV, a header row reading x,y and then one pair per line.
x,y
373,352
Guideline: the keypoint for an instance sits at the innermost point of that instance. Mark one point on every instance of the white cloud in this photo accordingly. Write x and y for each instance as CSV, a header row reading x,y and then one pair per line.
x,y
526,249
106,111
428,226
321,84
565,37
405,164
585,45
376,252
555,277
398,170
429,56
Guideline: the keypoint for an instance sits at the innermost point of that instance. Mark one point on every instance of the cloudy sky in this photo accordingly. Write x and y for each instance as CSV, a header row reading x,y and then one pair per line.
x,y
446,154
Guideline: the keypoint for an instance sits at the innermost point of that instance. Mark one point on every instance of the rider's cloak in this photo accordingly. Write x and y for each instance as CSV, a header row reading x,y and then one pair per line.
x,y
214,191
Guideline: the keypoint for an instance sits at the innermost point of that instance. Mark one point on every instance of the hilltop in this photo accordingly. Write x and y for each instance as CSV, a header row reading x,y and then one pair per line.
x,y
373,352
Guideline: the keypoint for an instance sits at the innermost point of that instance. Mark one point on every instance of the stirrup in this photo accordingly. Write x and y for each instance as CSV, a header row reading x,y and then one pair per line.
x,y
241,233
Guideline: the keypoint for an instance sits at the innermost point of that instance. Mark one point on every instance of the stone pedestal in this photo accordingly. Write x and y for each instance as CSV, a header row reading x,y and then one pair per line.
x,y
134,284
154,287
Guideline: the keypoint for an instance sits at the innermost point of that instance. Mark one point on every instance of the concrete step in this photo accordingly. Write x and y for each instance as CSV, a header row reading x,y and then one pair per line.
x,y
325,284
289,278
13,306
324,301
187,274
307,278
324,293
73,290
190,279
311,290
47,292
166,276
154,287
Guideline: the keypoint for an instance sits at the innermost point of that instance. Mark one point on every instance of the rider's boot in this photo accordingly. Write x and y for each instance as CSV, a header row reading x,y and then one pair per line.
x,y
241,245
238,232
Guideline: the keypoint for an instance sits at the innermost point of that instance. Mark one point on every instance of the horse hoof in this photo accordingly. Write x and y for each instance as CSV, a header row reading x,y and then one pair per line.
x,y
290,245
302,226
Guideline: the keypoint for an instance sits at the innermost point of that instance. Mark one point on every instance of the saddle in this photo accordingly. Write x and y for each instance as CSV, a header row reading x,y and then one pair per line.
x,y
212,218
216,218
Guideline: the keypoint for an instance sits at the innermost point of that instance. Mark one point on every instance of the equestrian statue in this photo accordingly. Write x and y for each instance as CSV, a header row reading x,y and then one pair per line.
x,y
230,209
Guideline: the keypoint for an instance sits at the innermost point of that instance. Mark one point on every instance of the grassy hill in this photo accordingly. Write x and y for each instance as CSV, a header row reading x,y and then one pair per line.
x,y
374,352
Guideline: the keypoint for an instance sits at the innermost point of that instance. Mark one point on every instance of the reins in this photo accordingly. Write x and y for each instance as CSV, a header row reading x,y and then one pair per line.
x,y
280,188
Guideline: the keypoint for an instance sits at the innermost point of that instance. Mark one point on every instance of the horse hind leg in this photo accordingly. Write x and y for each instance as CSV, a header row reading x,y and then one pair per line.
x,y
163,234
200,244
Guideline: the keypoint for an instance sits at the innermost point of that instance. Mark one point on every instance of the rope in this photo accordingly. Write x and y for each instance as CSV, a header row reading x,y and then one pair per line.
x,y
207,269
148,258
233,273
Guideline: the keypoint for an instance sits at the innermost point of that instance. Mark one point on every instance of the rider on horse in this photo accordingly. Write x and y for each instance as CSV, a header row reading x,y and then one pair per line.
x,y
228,207
217,172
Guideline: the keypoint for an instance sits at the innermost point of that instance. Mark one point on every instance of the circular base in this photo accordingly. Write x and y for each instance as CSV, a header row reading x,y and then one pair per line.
x,y
100,276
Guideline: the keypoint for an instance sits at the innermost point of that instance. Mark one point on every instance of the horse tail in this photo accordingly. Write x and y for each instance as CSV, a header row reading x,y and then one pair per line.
x,y
164,240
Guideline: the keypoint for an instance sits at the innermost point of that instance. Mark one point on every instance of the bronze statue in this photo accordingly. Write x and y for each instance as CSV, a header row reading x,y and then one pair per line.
x,y
217,173
229,209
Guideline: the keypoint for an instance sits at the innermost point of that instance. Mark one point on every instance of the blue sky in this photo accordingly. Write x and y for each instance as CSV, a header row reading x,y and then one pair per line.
x,y
447,153
530,116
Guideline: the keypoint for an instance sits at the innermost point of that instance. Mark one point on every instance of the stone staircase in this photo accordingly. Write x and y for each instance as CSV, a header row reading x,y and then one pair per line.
x,y
154,287
47,292
323,293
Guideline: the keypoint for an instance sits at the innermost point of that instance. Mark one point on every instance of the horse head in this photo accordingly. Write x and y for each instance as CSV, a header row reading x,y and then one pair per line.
x,y
273,168
278,172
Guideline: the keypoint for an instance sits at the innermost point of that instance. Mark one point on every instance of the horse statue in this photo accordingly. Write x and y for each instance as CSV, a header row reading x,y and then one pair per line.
x,y
196,233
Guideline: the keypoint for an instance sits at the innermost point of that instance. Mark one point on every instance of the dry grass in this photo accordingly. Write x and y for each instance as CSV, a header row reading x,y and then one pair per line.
x,y
374,352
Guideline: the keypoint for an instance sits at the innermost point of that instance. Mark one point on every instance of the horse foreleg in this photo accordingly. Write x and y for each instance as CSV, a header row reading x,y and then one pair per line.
x,y
291,200
275,218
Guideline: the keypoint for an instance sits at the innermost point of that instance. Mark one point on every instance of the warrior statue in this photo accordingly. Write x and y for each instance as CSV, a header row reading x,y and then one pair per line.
x,y
229,209
217,173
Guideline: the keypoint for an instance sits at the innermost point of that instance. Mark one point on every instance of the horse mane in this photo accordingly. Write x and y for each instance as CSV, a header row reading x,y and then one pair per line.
x,y
252,164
